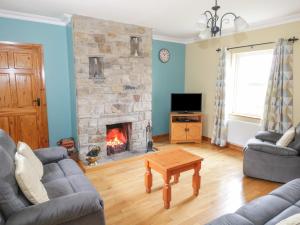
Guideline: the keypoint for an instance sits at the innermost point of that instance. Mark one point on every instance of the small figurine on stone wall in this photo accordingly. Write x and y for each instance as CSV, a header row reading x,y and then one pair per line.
x,y
96,68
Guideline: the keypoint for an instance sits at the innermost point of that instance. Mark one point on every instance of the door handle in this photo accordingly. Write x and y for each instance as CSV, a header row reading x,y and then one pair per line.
x,y
37,101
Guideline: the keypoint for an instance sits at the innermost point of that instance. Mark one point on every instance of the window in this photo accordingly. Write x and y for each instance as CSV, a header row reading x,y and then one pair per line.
x,y
251,71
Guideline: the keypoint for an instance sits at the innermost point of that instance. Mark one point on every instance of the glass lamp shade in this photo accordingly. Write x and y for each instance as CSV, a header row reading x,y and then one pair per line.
x,y
202,22
240,24
205,34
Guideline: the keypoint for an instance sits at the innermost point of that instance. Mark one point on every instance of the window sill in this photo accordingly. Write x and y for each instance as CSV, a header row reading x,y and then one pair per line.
x,y
256,118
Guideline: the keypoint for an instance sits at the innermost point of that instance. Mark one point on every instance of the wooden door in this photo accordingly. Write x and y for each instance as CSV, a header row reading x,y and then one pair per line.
x,y
23,109
194,132
178,132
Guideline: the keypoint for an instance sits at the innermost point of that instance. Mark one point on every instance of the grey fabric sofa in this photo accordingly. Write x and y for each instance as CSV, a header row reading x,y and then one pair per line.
x,y
264,160
268,210
73,200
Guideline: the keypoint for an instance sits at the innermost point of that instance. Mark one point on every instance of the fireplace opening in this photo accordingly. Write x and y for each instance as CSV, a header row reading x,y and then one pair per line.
x,y
118,138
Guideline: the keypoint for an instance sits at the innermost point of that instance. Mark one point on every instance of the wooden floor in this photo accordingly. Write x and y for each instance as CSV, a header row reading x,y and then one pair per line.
x,y
223,190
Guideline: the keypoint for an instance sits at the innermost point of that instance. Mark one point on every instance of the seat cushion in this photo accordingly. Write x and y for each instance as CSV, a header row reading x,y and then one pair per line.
x,y
80,183
52,171
63,168
69,167
59,187
259,211
289,192
64,178
290,211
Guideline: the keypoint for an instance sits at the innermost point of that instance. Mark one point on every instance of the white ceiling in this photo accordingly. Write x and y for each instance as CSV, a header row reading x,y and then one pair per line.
x,y
173,18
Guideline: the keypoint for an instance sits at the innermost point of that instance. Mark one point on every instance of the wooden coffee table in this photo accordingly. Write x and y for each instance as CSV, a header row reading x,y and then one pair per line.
x,y
171,163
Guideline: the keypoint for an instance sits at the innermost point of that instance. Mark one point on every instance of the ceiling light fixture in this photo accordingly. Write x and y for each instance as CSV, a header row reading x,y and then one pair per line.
x,y
208,22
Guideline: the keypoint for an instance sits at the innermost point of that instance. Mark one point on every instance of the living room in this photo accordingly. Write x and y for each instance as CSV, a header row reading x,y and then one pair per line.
x,y
148,112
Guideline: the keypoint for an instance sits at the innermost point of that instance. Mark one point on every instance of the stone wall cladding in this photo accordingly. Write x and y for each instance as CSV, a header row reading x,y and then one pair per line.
x,y
124,94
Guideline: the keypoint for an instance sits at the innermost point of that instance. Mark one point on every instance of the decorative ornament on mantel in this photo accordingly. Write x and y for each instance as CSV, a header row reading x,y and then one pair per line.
x,y
208,22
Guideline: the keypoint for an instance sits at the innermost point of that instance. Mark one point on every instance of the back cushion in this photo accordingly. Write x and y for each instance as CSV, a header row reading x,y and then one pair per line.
x,y
7,143
11,198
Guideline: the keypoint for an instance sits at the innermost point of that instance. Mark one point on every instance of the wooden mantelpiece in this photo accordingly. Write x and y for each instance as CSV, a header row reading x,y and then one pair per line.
x,y
186,127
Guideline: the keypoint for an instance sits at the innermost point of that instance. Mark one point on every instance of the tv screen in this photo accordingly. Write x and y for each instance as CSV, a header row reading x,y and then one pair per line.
x,y
186,102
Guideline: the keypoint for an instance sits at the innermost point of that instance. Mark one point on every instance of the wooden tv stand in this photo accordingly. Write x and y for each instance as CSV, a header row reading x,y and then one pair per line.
x,y
186,127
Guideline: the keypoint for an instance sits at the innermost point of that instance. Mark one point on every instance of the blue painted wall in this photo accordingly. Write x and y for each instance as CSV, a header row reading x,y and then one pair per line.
x,y
55,46
72,81
166,79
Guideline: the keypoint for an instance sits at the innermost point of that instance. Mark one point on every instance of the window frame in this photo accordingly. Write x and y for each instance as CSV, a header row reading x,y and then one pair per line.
x,y
233,112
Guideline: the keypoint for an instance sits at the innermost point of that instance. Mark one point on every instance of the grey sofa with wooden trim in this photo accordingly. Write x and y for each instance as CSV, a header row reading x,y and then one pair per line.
x,y
73,200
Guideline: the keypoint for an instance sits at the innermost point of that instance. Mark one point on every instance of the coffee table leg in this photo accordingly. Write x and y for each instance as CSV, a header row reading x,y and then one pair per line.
x,y
148,177
167,191
176,178
196,179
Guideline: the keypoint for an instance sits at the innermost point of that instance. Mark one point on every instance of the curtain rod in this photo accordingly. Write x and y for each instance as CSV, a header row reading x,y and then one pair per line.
x,y
293,39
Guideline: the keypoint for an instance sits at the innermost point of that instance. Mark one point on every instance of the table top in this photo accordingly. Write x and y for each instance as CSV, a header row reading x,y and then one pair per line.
x,y
173,158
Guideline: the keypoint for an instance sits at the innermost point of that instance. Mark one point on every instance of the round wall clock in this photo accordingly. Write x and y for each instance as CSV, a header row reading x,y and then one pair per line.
x,y
164,55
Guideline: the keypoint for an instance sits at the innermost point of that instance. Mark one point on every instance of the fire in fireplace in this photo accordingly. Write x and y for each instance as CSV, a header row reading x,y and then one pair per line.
x,y
118,138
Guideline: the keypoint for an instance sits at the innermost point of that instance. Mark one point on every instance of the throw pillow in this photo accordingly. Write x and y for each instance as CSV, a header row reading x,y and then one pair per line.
x,y
268,136
292,220
29,181
296,143
287,137
27,152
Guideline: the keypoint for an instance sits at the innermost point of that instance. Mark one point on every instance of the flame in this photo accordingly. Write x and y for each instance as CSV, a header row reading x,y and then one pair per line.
x,y
114,142
115,137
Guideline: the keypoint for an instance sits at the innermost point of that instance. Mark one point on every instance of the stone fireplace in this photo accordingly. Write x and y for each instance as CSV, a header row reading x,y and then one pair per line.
x,y
117,93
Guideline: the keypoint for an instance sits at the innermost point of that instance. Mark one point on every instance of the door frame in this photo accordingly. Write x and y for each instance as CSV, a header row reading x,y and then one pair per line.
x,y
43,116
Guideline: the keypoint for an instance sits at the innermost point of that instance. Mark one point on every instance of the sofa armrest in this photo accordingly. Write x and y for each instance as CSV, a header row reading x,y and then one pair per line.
x,y
52,154
59,210
267,147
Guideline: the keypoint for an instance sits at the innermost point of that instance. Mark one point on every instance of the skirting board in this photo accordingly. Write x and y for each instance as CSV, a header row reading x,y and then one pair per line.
x,y
165,137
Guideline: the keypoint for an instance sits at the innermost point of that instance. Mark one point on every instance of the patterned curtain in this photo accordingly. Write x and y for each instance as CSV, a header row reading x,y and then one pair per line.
x,y
219,136
278,112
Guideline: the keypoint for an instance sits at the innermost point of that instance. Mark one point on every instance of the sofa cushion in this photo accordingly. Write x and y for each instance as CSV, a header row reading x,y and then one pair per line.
x,y
80,183
27,152
52,171
292,220
69,167
63,168
290,211
290,191
259,211
11,197
29,180
268,136
2,221
7,143
59,187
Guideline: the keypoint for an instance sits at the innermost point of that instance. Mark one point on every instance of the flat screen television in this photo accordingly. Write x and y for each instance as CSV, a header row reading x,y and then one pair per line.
x,y
188,102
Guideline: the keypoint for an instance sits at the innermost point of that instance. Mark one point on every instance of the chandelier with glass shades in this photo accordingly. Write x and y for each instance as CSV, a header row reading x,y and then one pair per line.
x,y
209,20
